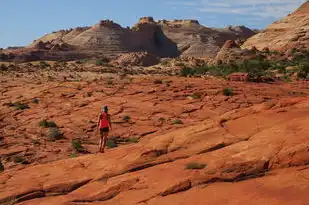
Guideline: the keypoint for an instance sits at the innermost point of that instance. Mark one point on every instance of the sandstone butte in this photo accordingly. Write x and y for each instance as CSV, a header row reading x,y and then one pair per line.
x,y
250,148
162,38
287,33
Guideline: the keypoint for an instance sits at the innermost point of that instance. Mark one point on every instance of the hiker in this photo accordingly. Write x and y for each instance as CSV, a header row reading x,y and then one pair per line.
x,y
104,125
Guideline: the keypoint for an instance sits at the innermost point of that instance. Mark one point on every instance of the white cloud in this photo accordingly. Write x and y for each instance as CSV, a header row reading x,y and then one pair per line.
x,y
260,8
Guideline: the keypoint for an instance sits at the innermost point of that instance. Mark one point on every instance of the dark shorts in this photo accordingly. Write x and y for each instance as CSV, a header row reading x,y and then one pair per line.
x,y
105,129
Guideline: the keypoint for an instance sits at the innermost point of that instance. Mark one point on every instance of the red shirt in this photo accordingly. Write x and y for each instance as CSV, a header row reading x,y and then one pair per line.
x,y
104,120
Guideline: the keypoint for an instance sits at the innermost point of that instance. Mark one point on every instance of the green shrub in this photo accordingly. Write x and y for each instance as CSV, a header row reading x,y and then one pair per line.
x,y
126,118
73,155
177,122
133,140
20,159
99,62
44,64
35,101
228,91
3,67
158,82
186,71
303,71
194,165
111,144
1,167
77,146
46,124
19,106
196,96
54,134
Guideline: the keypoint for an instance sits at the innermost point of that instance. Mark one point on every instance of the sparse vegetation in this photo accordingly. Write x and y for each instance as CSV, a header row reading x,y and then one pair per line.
x,y
126,118
177,122
196,96
133,140
1,167
3,67
54,134
35,101
19,106
77,146
228,92
44,64
73,155
303,71
20,159
46,124
111,144
100,63
194,165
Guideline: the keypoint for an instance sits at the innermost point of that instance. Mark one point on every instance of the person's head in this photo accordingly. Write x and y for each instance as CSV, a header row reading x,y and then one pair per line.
x,y
105,109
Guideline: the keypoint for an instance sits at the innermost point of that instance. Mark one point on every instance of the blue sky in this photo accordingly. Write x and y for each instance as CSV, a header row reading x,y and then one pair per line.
x,y
22,21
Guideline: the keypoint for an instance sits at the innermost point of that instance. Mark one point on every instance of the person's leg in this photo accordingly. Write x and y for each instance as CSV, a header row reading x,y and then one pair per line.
x,y
101,141
104,140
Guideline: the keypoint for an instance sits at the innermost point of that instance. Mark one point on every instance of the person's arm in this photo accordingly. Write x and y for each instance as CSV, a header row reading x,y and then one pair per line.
x,y
109,122
99,119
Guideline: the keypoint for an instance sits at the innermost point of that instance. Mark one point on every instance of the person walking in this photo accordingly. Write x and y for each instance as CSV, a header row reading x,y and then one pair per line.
x,y
104,126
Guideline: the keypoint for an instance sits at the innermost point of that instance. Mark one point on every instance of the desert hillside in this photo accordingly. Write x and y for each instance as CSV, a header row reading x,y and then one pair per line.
x,y
287,33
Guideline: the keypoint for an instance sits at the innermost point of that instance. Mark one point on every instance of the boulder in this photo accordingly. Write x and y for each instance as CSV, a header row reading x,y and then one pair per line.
x,y
137,59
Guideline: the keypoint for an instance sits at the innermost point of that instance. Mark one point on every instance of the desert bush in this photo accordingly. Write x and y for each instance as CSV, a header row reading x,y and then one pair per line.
x,y
54,134
19,106
303,71
35,101
46,124
110,143
196,96
3,67
101,62
73,155
44,64
126,118
20,159
186,71
177,122
194,165
77,146
228,92
1,167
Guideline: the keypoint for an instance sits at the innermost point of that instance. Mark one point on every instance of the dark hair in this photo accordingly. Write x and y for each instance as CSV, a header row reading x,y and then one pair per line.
x,y
105,109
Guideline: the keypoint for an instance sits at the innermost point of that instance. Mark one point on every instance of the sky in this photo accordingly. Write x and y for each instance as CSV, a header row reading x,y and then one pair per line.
x,y
22,21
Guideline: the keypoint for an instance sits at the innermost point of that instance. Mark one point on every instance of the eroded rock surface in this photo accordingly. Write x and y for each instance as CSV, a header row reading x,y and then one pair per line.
x,y
249,148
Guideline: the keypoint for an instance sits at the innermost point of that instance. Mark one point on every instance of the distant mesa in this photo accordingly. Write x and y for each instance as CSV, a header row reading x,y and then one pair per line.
x,y
162,38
